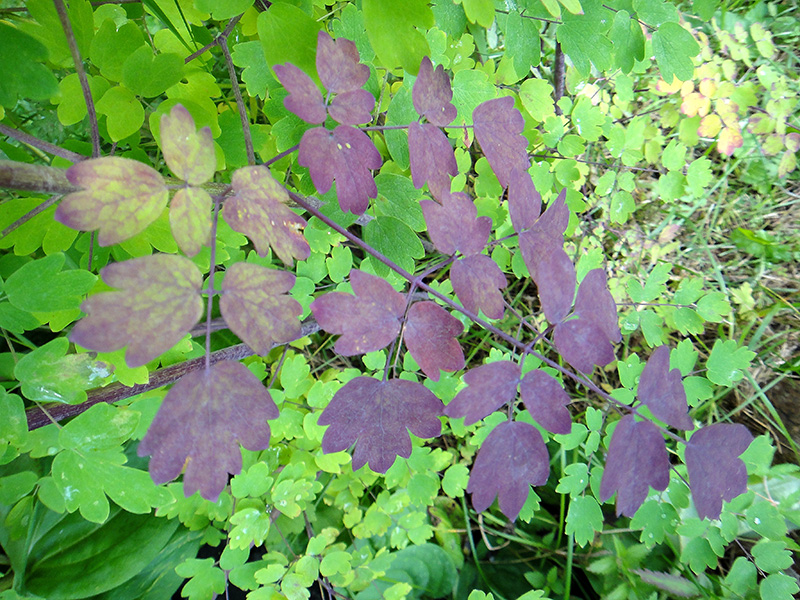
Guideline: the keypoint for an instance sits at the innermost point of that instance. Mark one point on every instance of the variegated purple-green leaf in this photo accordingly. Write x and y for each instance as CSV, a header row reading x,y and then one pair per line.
x,y
546,400
637,460
346,155
551,269
304,99
454,224
430,336
352,108
511,459
338,64
256,306
498,127
189,153
477,281
367,321
524,202
432,94
158,302
583,344
190,219
120,198
376,416
258,210
489,387
431,158
716,472
200,424
661,389
596,304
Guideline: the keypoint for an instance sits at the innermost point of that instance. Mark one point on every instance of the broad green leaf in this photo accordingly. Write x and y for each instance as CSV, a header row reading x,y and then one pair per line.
x,y
189,153
41,231
111,46
149,75
772,556
628,39
778,586
622,206
654,285
713,307
674,48
45,25
697,553
394,31
289,35
698,176
70,100
41,285
574,480
250,526
655,12
470,88
395,240
583,37
656,519
205,580
727,362
480,12
522,44
124,112
588,119
21,69
674,156
584,519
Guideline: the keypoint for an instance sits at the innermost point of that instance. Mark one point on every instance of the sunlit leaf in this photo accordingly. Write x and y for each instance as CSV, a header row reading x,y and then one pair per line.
x,y
41,286
189,153
190,219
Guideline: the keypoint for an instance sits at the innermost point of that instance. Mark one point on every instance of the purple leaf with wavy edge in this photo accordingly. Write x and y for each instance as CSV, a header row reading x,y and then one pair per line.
x,y
637,460
498,127
512,458
432,94
190,219
158,302
200,424
304,99
524,202
352,108
477,281
431,158
583,344
256,306
430,336
489,387
120,198
258,210
716,472
368,321
377,416
189,153
596,304
552,271
546,400
661,389
338,64
346,155
454,225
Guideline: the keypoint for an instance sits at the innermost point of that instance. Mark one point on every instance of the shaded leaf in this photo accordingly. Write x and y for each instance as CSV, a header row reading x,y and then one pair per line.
x,y
454,225
200,424
511,458
546,400
637,459
595,303
158,302
661,389
256,306
367,321
304,99
189,153
338,64
524,202
430,336
583,344
477,281
489,386
190,219
258,210
432,94
352,108
431,158
120,198
716,472
376,416
498,127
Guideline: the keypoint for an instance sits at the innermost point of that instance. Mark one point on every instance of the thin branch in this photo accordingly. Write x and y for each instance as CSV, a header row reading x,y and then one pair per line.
x,y
35,142
559,77
222,41
29,215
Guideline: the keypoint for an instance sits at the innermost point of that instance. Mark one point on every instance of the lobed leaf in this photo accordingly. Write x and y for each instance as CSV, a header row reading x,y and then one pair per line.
x,y
432,94
188,153
158,302
352,107
551,269
41,286
200,424
661,389
190,219
524,202
489,387
430,336
454,225
338,64
596,304
120,198
376,416
546,400
477,281
511,458
256,306
431,158
304,99
583,344
498,127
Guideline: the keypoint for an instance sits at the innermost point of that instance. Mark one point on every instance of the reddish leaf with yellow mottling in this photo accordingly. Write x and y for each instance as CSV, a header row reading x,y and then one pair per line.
x,y
190,219
158,302
189,153
256,306
430,336
200,424
120,198
258,210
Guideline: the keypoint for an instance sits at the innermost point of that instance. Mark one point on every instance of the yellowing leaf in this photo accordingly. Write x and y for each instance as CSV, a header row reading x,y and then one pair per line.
x,y
729,140
190,219
189,153
710,126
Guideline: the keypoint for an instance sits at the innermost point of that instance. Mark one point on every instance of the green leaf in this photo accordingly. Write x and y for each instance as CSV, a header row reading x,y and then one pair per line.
x,y
14,431
697,553
70,100
392,28
223,9
480,12
674,156
698,176
395,240
288,34
522,44
674,48
205,580
21,71
536,96
112,46
335,562
713,307
124,112
46,27
250,526
742,575
628,39
41,285
778,586
622,206
583,37
654,285
727,361
675,585
470,88
150,75
584,519
574,480
772,556
588,119
250,57
455,480
656,519
655,12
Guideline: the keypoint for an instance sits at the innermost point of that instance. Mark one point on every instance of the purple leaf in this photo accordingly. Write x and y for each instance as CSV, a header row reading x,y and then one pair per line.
x,y
430,336
524,202
455,226
367,321
637,459
376,416
551,269
583,344
596,304
256,306
546,400
477,281
489,386
432,94
304,99
200,424
661,389
498,125
716,472
431,158
158,302
555,219
258,210
352,108
338,64
345,154
512,458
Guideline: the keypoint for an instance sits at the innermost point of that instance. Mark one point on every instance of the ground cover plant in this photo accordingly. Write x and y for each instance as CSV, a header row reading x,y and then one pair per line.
x,y
426,307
